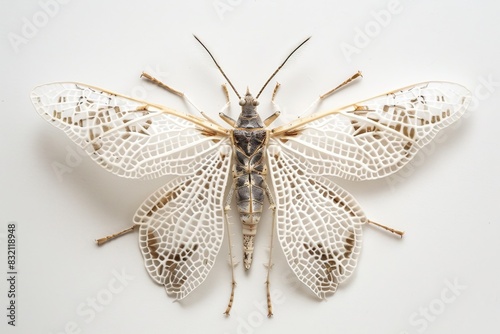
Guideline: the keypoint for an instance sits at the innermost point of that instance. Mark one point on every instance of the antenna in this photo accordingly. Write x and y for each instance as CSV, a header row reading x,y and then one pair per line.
x,y
220,69
279,67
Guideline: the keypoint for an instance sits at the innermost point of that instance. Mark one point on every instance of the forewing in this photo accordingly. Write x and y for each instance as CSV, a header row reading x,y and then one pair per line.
x,y
376,137
182,226
319,225
128,137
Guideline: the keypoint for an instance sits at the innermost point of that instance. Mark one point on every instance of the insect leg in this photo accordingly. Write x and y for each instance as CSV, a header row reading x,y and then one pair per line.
x,y
161,84
227,208
226,94
270,264
271,118
390,229
349,80
227,119
275,91
330,92
176,92
222,115
275,115
105,239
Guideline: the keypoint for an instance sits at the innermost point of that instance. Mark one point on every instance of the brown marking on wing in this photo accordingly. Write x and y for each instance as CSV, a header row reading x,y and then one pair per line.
x,y
328,194
438,118
95,145
349,244
328,259
362,129
170,196
290,133
174,260
404,118
139,128
141,108
152,243
360,110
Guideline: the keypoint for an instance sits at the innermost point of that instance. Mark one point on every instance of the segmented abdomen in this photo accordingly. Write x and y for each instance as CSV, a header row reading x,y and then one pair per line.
x,y
250,199
249,181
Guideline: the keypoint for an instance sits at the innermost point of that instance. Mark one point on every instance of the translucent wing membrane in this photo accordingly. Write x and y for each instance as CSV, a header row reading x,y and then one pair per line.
x,y
376,137
318,224
182,226
128,137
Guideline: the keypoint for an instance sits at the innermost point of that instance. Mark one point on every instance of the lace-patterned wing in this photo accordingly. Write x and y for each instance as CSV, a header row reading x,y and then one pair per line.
x,y
376,137
181,226
319,225
128,137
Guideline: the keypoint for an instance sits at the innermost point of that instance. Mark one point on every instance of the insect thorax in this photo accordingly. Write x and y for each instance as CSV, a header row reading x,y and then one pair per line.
x,y
250,140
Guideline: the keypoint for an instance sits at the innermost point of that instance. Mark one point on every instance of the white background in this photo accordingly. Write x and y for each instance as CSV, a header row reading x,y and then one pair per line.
x,y
446,200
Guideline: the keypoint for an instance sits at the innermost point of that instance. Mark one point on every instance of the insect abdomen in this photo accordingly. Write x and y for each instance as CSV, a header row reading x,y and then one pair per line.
x,y
249,179
250,199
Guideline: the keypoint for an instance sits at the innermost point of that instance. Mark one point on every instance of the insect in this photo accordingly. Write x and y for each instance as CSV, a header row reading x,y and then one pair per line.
x,y
318,224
